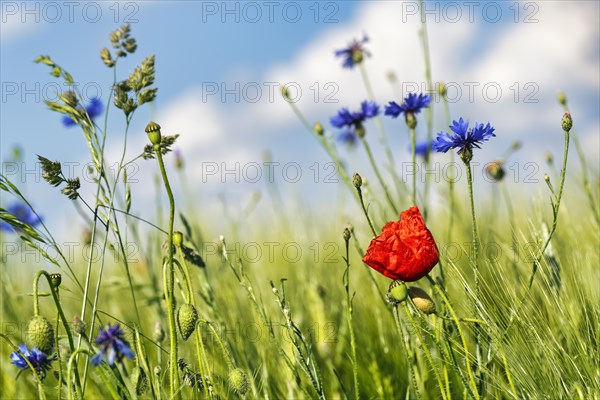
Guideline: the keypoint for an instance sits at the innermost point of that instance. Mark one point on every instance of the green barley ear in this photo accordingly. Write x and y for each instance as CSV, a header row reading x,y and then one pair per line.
x,y
40,334
421,300
397,292
187,316
238,380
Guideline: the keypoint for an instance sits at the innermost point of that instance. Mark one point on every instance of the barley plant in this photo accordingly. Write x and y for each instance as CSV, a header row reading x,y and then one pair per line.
x,y
396,316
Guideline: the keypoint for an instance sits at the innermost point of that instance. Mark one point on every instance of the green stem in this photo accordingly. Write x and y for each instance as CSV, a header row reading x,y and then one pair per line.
x,y
441,293
425,350
170,286
413,144
410,365
362,204
379,178
346,280
428,110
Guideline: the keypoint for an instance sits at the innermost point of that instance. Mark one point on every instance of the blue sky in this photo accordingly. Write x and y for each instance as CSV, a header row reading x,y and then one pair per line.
x,y
529,51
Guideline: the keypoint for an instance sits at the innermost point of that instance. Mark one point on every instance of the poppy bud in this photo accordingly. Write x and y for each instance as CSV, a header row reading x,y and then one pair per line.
x,y
495,170
187,316
41,334
177,238
238,380
396,292
421,300
153,131
55,280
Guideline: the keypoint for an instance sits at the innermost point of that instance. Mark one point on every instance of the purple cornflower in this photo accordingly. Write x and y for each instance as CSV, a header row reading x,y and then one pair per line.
x,y
93,109
463,138
23,213
38,359
113,345
412,104
354,53
345,118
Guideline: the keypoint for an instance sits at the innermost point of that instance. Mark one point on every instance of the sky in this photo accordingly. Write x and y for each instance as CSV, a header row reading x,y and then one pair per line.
x,y
220,66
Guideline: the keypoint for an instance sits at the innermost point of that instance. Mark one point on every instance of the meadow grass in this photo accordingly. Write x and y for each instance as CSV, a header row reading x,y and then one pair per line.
x,y
508,324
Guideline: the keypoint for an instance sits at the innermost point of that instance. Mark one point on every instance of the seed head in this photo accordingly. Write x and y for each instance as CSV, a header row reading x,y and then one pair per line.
x,y
41,334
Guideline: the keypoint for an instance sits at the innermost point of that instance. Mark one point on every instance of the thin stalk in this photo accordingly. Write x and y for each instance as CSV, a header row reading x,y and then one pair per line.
x,y
428,110
410,365
170,284
349,309
413,144
378,175
362,204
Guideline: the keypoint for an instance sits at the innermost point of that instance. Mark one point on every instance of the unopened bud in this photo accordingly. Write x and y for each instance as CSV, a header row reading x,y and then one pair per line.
x,y
318,129
421,300
441,89
562,99
397,292
346,234
567,122
357,180
41,334
153,131
177,238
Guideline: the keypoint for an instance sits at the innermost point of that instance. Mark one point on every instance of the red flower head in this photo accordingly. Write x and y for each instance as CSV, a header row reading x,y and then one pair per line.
x,y
405,250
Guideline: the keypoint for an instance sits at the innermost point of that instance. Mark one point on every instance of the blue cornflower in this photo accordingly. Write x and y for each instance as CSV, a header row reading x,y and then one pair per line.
x,y
412,104
422,148
463,138
354,53
113,345
93,109
23,213
38,359
345,118
347,137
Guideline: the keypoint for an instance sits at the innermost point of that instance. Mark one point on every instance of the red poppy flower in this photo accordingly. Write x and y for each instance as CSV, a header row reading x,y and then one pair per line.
x,y
405,250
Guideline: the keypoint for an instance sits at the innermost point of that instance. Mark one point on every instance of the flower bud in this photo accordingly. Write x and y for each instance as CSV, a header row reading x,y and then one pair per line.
x,y
177,238
346,234
357,56
391,75
562,99
318,129
421,300
549,158
411,120
495,170
441,89
546,178
41,334
357,180
153,131
55,280
78,326
360,131
238,380
285,92
396,292
159,333
187,316
567,122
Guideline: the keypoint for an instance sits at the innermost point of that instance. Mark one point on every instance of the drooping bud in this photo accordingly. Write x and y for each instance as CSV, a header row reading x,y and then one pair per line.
x,y
421,300
397,292
177,239
187,316
567,122
153,131
41,334
238,380
55,280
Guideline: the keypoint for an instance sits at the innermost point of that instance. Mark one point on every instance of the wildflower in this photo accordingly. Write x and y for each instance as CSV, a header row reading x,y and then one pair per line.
x,y
422,149
37,358
114,345
24,215
463,138
412,104
93,110
345,118
354,53
348,138
405,250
